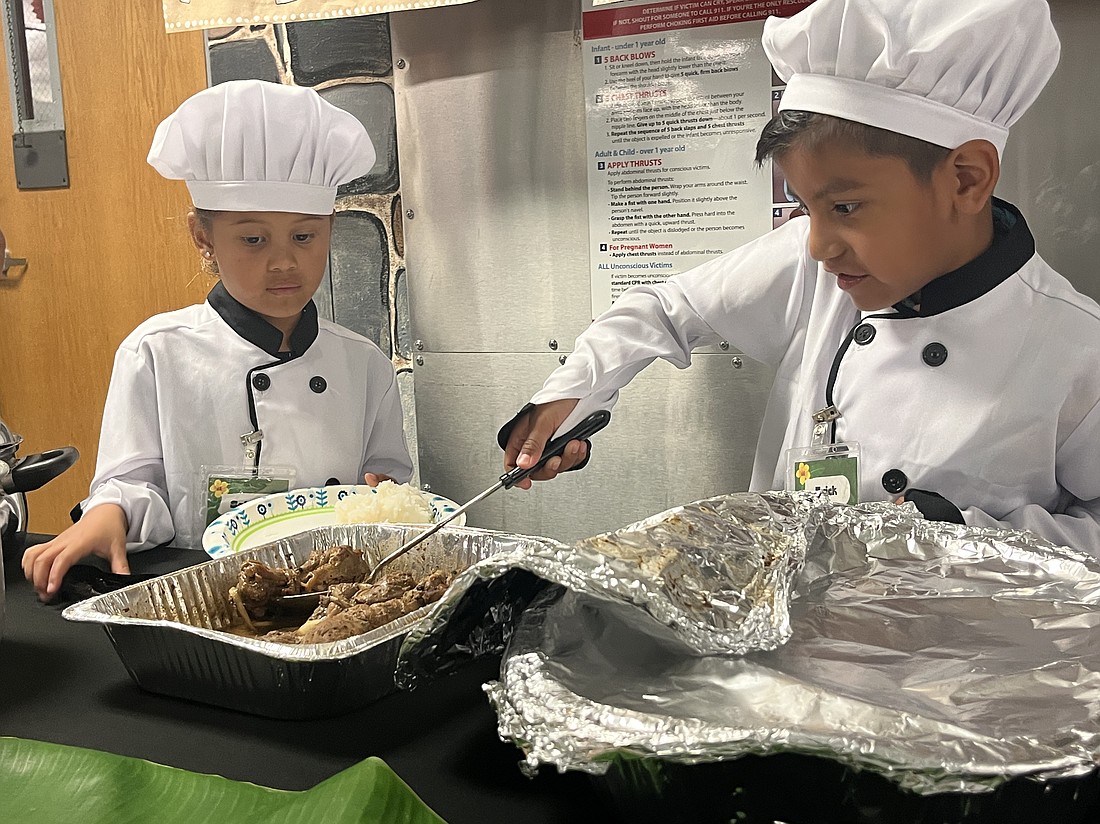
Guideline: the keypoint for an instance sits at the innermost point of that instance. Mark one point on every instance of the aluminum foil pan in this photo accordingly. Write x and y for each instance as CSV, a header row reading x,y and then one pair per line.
x,y
715,577
169,631
946,658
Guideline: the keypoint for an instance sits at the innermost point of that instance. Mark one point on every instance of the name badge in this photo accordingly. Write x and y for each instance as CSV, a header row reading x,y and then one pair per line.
x,y
223,488
829,468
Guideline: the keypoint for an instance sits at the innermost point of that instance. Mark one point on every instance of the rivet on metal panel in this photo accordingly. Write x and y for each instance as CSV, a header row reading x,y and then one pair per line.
x,y
419,360
561,359
409,214
724,345
737,363
419,345
553,344
400,63
426,487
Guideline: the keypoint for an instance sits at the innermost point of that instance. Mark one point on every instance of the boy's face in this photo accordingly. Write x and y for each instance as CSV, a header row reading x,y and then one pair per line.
x,y
879,230
272,262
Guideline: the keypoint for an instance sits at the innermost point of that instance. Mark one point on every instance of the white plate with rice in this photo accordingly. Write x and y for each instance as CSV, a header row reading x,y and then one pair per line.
x,y
266,519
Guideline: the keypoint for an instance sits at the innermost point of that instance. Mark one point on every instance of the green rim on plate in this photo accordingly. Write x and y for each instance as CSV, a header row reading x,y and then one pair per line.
x,y
244,534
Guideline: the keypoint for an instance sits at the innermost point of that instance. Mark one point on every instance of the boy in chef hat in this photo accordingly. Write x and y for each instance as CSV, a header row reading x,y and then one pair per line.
x,y
252,382
923,351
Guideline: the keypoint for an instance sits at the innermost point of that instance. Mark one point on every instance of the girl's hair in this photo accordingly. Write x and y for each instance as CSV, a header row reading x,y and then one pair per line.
x,y
808,130
205,217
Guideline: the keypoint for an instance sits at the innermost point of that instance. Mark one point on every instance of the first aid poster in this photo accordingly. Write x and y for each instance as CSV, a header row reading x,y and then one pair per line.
x,y
675,96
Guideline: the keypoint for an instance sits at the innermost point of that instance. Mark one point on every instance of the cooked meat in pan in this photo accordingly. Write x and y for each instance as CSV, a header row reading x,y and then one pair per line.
x,y
361,608
347,605
260,586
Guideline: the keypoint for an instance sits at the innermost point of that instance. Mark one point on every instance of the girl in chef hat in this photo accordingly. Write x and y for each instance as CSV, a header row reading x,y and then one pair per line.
x,y
923,351
252,384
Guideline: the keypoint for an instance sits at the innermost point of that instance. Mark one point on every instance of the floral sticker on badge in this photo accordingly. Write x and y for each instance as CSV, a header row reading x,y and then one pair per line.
x,y
832,469
802,474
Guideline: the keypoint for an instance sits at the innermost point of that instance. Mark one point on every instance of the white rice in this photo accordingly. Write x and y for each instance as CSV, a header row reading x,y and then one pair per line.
x,y
389,503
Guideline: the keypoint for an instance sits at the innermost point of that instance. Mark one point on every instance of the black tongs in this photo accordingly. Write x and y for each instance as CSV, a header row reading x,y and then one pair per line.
x,y
589,426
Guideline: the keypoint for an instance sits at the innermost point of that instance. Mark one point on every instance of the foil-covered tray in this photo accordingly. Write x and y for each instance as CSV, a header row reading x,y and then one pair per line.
x,y
715,577
948,658
945,658
170,632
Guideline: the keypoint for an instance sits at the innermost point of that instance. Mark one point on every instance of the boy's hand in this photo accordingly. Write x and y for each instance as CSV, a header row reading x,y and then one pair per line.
x,y
529,436
933,506
101,531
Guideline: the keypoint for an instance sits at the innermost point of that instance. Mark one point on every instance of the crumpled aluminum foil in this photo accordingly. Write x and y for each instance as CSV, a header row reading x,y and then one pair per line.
x,y
715,577
947,658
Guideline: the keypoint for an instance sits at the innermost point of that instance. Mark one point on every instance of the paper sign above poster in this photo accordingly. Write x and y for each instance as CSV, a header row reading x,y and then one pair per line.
x,y
679,14
187,15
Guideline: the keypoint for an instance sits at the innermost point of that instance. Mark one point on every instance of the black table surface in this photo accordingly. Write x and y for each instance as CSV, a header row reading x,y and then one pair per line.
x,y
63,682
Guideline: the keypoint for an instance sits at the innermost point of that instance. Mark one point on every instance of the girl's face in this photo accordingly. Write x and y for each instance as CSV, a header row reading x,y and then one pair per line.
x,y
272,262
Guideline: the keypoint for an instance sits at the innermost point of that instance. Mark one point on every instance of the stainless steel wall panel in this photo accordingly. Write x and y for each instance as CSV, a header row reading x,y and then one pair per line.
x,y
408,408
490,108
1051,166
676,436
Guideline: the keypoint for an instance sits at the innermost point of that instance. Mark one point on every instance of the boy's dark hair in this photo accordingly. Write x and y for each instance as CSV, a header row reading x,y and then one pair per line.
x,y
807,130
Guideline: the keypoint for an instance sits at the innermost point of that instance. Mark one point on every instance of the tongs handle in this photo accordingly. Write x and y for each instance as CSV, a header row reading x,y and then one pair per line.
x,y
589,426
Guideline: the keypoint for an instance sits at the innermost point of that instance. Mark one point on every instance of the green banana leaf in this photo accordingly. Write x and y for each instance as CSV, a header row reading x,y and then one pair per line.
x,y
46,783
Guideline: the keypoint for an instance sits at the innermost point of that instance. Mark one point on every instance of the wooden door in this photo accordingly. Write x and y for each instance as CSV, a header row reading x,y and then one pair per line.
x,y
105,253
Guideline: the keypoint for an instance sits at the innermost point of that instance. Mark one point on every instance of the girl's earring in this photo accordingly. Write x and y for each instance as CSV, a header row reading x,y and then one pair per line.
x,y
209,265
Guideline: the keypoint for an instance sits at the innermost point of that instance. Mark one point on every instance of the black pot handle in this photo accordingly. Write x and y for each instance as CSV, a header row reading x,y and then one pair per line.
x,y
33,471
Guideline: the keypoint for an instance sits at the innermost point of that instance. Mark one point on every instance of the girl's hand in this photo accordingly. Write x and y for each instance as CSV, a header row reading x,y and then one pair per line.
x,y
373,480
101,531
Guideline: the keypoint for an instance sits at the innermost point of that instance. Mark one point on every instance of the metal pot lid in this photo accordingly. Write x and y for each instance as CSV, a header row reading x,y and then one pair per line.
x,y
9,441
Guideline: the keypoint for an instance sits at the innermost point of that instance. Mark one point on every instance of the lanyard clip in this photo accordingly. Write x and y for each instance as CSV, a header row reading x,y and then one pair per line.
x,y
249,441
823,418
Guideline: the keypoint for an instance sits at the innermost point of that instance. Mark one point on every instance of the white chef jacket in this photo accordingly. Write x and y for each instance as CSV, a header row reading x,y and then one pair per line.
x,y
188,384
988,394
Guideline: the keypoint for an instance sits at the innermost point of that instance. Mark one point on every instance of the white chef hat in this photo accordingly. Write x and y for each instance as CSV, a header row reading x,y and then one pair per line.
x,y
249,145
944,71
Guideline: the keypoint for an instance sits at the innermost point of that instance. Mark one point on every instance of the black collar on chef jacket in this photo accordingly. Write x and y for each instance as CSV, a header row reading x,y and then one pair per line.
x,y
258,331
1013,246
